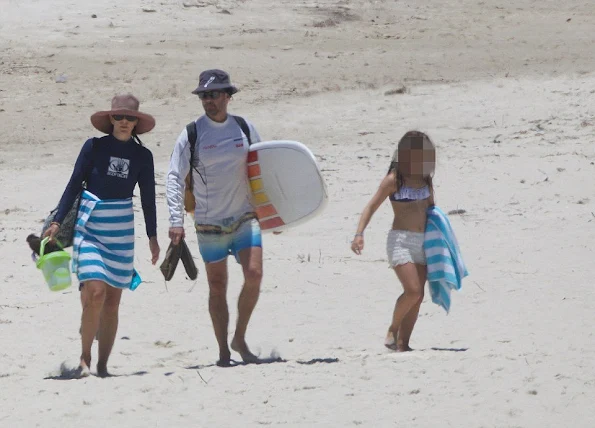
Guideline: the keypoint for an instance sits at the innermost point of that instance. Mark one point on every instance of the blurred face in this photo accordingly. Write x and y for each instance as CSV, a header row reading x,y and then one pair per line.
x,y
123,124
215,103
417,162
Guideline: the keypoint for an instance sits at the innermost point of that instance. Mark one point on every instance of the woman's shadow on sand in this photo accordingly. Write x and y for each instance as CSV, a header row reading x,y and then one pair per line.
x,y
73,373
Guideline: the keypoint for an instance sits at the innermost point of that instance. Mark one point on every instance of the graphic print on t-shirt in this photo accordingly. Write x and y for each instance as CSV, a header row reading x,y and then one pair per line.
x,y
118,167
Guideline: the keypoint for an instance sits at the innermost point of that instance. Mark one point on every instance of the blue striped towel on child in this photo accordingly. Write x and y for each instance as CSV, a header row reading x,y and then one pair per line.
x,y
446,268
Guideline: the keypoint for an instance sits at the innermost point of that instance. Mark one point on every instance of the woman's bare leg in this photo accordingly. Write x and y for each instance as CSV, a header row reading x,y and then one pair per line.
x,y
92,297
108,327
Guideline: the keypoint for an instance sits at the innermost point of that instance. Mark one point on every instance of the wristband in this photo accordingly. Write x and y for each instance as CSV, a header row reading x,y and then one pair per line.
x,y
359,234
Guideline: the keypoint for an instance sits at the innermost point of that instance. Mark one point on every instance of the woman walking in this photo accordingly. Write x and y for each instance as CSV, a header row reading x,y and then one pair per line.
x,y
103,247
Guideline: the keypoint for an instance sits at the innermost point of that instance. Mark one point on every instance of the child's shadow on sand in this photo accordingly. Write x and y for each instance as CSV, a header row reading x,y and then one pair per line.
x,y
73,373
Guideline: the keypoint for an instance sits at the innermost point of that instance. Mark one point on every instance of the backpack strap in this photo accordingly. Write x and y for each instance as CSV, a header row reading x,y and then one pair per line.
x,y
244,126
192,137
191,130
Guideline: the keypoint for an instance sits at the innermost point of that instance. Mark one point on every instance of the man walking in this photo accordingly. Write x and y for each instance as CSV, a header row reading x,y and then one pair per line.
x,y
224,216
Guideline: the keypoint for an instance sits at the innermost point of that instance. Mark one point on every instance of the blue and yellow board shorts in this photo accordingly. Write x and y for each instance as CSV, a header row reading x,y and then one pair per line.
x,y
215,243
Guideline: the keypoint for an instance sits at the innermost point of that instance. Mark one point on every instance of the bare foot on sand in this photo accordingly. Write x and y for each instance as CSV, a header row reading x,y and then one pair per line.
x,y
403,348
83,370
389,341
102,370
242,349
393,345
223,362
224,359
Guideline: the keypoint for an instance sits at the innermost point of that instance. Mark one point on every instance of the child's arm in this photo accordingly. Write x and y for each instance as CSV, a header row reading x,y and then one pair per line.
x,y
431,199
387,186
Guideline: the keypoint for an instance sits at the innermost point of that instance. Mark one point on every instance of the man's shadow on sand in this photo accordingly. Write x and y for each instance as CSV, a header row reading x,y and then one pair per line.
x,y
74,373
269,360
450,349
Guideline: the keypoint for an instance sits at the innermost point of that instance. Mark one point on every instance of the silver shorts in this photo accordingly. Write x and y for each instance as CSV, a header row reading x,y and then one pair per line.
x,y
404,247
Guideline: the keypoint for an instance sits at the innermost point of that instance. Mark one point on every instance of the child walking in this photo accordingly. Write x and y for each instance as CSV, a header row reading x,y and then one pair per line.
x,y
408,186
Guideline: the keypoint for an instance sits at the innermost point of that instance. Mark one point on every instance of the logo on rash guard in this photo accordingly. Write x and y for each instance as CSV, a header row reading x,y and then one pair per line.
x,y
118,167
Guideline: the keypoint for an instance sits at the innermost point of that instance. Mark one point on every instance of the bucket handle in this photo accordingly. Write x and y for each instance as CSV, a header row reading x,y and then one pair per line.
x,y
45,241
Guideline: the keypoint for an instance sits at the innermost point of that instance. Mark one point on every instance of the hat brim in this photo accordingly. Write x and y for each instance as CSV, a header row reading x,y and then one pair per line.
x,y
101,120
215,87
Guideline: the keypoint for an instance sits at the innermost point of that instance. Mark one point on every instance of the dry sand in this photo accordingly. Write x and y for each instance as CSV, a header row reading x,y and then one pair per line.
x,y
504,88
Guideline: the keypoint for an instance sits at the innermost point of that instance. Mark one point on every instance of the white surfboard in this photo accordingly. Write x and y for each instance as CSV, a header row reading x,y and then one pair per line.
x,y
287,186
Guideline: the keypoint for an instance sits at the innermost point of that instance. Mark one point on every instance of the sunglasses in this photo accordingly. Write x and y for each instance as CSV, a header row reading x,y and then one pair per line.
x,y
210,94
119,117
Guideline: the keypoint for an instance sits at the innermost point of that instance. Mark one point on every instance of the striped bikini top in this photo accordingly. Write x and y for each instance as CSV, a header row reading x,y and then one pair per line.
x,y
410,194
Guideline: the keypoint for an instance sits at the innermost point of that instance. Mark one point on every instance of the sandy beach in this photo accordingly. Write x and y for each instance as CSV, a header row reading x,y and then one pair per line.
x,y
505,89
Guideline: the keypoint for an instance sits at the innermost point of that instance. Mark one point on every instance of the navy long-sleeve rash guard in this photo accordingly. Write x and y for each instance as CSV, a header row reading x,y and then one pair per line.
x,y
112,169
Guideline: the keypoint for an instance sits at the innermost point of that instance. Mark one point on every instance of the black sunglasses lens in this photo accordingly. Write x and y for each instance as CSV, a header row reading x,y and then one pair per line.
x,y
119,117
212,95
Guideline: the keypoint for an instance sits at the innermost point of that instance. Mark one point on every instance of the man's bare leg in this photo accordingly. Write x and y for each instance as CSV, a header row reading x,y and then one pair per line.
x,y
93,296
413,292
410,319
108,327
251,261
217,278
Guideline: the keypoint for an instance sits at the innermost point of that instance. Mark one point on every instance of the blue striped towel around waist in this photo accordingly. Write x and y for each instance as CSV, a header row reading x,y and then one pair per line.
x,y
446,268
103,247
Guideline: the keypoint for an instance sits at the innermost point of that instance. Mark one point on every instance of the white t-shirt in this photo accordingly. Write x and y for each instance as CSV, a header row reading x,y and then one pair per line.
x,y
220,178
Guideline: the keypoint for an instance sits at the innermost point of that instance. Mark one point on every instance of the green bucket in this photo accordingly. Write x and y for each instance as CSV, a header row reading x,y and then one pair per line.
x,y
55,267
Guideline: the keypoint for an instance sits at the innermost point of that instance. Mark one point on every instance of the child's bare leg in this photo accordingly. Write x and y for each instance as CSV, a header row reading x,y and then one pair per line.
x,y
412,295
402,343
410,319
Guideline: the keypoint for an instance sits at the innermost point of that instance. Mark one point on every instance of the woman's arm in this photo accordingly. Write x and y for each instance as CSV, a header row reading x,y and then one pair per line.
x,y
82,169
146,183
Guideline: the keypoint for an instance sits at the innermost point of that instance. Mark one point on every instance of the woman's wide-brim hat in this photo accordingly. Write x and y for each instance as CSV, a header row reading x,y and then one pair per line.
x,y
123,104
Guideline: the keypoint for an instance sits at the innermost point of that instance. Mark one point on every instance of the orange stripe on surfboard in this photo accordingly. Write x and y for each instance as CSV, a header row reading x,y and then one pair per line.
x,y
253,170
271,223
252,157
266,211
